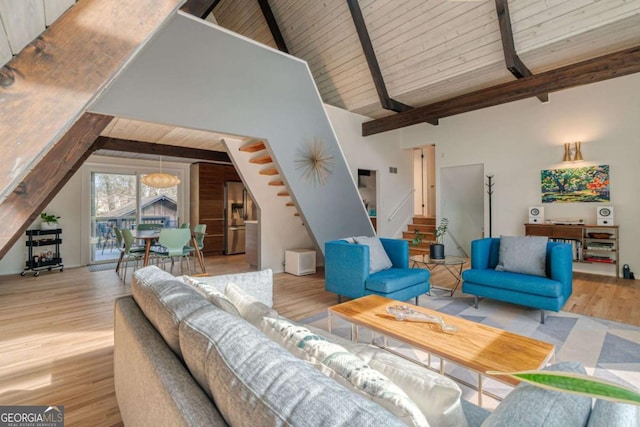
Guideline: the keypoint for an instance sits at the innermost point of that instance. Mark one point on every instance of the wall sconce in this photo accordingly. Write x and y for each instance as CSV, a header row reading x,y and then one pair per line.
x,y
572,152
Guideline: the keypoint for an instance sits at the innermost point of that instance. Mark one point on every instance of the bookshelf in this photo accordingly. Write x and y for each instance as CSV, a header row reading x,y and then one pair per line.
x,y
590,243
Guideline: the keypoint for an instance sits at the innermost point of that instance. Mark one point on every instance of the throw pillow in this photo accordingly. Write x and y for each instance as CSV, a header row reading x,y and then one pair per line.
x,y
437,396
378,258
288,335
248,307
258,284
526,255
350,371
217,298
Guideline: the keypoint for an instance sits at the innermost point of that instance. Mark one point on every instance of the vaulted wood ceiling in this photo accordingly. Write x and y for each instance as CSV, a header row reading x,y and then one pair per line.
x,y
432,50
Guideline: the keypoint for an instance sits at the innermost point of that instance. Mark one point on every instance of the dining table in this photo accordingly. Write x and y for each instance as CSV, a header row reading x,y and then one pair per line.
x,y
149,236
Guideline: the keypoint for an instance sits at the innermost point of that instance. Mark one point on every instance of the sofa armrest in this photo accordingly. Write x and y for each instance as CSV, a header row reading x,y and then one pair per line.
x,y
560,262
398,252
346,267
480,250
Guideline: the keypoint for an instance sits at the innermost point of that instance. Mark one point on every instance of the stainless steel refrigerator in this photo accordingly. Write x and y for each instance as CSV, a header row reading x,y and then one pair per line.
x,y
239,208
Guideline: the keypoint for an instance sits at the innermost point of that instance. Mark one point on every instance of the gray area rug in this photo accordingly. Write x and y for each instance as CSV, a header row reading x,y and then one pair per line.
x,y
107,266
607,349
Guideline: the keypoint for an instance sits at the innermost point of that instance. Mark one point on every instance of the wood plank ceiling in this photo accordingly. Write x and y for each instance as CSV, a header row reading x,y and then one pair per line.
x,y
427,50
432,50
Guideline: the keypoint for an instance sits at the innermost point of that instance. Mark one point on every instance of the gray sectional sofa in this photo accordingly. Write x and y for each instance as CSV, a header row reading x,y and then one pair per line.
x,y
181,359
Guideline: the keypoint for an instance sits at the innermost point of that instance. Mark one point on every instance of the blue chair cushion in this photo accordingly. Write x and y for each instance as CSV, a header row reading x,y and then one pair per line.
x,y
393,279
524,283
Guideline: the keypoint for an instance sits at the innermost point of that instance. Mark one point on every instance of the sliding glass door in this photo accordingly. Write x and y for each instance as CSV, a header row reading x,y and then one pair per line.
x,y
113,204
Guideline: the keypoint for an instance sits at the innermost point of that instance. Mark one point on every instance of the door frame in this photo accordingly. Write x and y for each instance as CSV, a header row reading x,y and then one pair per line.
x,y
116,165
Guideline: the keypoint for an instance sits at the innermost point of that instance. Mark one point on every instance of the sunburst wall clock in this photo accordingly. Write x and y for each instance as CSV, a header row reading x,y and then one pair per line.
x,y
316,161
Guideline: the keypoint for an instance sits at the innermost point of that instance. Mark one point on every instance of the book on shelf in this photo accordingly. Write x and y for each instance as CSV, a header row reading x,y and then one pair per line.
x,y
576,247
599,259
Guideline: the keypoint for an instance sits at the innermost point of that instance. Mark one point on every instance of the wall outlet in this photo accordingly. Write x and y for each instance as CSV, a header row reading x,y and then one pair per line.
x,y
393,170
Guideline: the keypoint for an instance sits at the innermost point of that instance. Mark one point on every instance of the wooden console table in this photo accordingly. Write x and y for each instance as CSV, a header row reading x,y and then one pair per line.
x,y
591,243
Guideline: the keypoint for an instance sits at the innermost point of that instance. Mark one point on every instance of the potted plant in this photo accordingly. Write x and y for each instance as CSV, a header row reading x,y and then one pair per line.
x,y
49,222
436,250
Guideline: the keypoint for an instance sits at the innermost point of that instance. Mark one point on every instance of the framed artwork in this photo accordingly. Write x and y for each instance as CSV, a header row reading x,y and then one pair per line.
x,y
587,184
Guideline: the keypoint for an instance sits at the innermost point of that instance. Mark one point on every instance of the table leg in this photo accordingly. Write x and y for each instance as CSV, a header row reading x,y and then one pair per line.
x,y
480,390
329,321
198,253
119,261
147,251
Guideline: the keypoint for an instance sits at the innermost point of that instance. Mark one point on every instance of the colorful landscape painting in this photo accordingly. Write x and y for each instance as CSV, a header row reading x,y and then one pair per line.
x,y
588,184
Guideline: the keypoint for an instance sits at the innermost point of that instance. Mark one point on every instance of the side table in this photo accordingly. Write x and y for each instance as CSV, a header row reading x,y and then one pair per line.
x,y
450,263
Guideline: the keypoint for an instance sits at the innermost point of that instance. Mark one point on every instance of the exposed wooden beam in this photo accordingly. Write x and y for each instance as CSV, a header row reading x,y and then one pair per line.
x,y
593,70
374,67
129,146
45,180
199,8
511,58
47,87
273,25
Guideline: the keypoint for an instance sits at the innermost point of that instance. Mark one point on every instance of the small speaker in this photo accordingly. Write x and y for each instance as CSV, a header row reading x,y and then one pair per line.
x,y
536,215
604,215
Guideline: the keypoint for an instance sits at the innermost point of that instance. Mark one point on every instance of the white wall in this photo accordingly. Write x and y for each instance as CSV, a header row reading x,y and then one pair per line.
x,y
72,204
379,152
516,141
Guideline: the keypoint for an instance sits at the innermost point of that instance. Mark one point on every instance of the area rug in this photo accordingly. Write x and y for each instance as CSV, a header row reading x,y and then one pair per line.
x,y
107,266
607,349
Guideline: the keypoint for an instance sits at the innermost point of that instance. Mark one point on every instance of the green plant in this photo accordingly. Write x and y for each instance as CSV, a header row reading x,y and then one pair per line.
x,y
584,385
441,230
45,217
417,238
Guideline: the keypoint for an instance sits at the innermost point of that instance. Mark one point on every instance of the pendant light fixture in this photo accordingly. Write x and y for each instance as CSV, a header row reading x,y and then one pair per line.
x,y
160,179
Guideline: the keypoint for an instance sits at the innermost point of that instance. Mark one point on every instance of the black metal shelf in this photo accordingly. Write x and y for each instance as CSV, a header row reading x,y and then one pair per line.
x,y
51,260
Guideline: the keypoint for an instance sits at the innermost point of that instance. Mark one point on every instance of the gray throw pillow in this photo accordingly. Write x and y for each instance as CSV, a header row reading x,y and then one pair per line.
x,y
526,255
378,258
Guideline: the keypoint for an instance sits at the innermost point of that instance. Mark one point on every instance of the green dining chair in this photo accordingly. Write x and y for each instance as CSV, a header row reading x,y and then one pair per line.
x,y
130,251
171,244
185,225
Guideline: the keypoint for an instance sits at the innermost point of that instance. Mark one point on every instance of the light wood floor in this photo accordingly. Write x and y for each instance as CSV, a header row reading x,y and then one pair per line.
x,y
56,330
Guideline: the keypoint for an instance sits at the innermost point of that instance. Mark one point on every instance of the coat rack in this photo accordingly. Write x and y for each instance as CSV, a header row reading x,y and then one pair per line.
x,y
490,192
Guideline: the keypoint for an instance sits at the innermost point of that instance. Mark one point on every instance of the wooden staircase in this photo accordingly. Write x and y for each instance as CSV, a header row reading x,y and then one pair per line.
x,y
270,171
426,226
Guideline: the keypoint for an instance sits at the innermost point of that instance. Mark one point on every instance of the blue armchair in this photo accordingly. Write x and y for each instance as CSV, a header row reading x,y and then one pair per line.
x,y
347,271
544,293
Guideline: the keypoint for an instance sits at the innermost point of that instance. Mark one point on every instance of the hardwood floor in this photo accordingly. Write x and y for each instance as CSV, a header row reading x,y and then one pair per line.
x,y
56,330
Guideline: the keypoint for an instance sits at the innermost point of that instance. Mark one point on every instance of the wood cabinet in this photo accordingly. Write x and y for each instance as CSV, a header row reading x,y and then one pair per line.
x,y
590,243
207,201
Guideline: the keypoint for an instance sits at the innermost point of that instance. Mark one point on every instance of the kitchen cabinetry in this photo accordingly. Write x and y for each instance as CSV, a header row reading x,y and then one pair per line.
x,y
46,258
207,201
590,243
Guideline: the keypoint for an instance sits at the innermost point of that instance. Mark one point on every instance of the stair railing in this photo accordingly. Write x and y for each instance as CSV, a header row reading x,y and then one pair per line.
x,y
401,204
458,245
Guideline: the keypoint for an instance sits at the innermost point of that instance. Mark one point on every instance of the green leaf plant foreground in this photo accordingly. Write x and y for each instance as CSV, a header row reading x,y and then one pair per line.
x,y
581,384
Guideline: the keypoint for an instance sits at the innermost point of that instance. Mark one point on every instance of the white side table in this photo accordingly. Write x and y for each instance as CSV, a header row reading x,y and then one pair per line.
x,y
300,261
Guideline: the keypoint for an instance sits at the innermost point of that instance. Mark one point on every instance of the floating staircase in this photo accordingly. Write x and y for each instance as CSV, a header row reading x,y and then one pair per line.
x,y
271,171
426,226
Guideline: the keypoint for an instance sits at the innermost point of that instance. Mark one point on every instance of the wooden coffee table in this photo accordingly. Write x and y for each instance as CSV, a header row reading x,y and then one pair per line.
x,y
476,347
